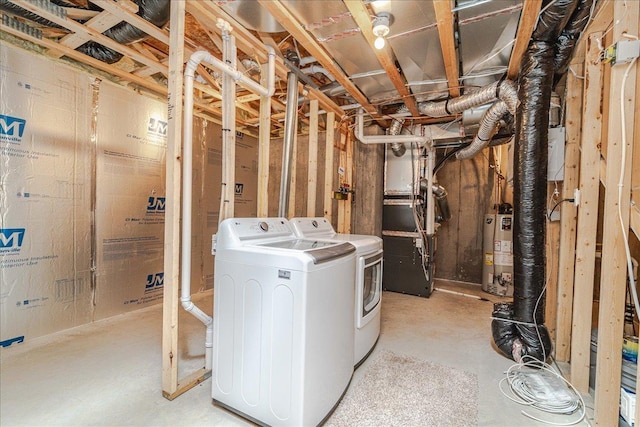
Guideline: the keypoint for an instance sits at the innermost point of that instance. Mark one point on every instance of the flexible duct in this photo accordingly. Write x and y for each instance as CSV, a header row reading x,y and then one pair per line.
x,y
488,128
518,329
570,35
398,148
155,11
441,199
504,90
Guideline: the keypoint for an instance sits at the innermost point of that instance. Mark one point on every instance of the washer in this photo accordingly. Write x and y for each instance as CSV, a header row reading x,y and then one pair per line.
x,y
283,316
368,279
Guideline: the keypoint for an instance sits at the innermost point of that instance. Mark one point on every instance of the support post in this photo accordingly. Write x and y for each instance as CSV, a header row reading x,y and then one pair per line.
x,y
328,167
587,216
566,263
172,207
312,173
264,143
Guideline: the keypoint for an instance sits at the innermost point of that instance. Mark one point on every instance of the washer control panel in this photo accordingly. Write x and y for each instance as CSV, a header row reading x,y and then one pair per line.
x,y
255,228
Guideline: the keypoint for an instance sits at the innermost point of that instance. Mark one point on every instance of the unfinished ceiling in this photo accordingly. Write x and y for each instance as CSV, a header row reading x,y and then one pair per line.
x,y
434,49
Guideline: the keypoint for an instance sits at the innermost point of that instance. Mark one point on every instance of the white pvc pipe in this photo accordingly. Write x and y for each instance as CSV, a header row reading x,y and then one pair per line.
x,y
431,202
187,172
383,139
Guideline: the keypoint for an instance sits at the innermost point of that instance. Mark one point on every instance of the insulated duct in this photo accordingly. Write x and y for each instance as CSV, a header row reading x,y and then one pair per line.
x,y
504,90
570,35
488,128
154,11
518,328
398,148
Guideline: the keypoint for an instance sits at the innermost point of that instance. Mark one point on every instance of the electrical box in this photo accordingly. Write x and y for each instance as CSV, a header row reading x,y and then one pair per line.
x,y
555,171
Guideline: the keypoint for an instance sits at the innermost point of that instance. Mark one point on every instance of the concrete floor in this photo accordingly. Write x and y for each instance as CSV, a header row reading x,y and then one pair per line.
x,y
108,373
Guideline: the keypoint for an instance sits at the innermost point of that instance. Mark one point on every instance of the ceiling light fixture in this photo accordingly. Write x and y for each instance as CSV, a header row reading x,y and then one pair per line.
x,y
381,28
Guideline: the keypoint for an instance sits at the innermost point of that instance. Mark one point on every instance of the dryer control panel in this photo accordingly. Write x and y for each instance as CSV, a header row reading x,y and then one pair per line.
x,y
306,227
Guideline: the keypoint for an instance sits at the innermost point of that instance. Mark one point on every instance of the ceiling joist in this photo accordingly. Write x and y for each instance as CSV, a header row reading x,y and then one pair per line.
x,y
446,31
295,28
528,20
386,56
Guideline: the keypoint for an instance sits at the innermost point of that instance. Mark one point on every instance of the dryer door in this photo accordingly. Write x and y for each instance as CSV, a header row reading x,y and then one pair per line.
x,y
369,287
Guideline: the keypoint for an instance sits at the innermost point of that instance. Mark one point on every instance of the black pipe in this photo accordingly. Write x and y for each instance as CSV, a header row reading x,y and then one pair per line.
x,y
523,333
570,35
155,11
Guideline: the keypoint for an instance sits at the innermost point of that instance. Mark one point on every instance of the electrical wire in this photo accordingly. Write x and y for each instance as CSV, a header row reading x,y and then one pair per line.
x,y
535,384
556,205
623,159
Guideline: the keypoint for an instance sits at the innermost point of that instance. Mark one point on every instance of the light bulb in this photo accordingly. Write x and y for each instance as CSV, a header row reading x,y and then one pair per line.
x,y
379,43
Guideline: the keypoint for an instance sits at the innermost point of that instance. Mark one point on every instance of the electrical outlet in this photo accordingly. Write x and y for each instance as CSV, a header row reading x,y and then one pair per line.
x,y
555,216
576,197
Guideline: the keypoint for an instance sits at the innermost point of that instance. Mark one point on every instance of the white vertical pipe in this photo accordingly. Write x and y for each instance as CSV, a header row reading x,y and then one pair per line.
x,y
187,165
431,201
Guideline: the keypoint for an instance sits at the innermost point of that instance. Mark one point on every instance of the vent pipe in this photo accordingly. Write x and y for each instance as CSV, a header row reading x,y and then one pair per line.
x,y
290,128
518,328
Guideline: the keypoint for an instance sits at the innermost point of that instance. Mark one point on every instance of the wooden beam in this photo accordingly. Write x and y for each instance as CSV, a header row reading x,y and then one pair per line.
x,y
587,216
101,22
173,201
614,264
264,144
125,13
291,23
92,34
386,57
188,383
528,20
568,215
328,167
206,13
312,173
81,57
444,17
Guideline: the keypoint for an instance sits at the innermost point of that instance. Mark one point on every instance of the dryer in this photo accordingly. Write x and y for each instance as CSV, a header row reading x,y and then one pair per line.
x,y
367,281
283,322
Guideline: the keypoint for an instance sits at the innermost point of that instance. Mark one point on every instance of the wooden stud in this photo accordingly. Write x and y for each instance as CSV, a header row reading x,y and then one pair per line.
x,y
264,143
614,265
566,263
444,17
312,173
188,383
386,56
328,167
587,216
295,28
294,179
528,20
552,249
173,202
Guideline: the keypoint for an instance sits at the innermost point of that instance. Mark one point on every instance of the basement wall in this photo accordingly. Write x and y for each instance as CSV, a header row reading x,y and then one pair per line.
x,y
82,197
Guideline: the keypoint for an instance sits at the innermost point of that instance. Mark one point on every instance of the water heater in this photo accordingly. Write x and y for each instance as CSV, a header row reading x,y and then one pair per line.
x,y
497,271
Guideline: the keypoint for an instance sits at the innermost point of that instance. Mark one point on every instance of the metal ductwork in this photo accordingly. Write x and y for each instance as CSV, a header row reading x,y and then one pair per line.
x,y
502,89
290,128
398,148
518,327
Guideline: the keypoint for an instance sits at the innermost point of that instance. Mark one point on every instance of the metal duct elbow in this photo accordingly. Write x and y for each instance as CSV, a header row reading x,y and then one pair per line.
x,y
398,148
441,199
502,89
488,128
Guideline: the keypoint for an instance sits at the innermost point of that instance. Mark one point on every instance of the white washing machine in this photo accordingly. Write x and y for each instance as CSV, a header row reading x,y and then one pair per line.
x,y
368,279
283,315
